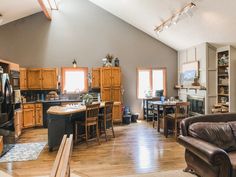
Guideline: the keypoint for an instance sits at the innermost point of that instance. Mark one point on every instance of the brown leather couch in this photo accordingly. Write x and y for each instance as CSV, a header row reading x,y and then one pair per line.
x,y
210,144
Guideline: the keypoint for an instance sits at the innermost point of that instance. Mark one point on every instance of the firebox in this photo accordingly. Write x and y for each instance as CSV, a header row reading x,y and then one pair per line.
x,y
197,104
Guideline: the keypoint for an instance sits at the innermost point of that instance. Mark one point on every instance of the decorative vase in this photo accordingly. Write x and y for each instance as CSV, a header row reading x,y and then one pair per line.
x,y
117,62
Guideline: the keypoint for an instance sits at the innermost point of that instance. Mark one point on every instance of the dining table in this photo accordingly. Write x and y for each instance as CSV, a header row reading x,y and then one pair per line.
x,y
165,105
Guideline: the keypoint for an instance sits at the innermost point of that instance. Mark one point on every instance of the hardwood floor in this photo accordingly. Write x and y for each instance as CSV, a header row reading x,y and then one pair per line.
x,y
137,148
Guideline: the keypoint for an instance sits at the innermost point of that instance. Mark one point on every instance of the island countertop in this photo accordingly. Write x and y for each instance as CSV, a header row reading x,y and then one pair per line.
x,y
69,109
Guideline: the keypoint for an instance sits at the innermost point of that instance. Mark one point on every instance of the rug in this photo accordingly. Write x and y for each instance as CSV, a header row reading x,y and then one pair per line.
x,y
171,173
23,152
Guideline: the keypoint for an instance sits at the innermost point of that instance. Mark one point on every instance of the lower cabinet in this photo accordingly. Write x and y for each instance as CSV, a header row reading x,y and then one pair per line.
x,y
32,115
18,122
117,112
38,114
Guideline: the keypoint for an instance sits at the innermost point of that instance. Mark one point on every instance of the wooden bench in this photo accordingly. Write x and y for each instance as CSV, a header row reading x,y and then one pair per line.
x,y
61,166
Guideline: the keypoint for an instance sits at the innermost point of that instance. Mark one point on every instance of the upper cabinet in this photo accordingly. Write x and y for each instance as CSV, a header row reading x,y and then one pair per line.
x,y
95,78
34,79
38,78
23,78
116,77
111,84
106,76
111,77
49,78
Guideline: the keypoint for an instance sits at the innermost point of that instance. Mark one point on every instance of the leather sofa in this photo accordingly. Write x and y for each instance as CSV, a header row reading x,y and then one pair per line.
x,y
210,144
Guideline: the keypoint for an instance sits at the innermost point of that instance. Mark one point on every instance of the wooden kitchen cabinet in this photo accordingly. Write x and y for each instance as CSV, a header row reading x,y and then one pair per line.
x,y
32,115
38,114
49,78
117,112
28,115
40,78
95,78
23,79
115,77
106,94
18,122
116,94
111,84
106,76
34,79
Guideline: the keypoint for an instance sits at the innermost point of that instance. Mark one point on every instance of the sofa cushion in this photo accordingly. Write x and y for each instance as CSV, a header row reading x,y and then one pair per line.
x,y
219,134
233,127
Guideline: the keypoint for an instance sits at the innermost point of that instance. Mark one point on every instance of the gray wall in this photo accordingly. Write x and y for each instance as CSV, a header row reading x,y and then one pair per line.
x,y
84,31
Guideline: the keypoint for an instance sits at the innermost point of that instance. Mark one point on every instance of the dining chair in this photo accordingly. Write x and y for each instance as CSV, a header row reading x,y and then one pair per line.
x,y
105,119
181,112
91,120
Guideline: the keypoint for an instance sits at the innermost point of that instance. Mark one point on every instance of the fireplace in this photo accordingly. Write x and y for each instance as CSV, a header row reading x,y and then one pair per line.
x,y
197,104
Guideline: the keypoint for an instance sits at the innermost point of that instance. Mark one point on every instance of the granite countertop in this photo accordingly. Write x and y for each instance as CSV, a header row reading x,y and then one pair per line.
x,y
66,110
50,101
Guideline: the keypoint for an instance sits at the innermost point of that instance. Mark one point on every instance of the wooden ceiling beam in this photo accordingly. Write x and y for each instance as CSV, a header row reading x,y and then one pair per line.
x,y
47,12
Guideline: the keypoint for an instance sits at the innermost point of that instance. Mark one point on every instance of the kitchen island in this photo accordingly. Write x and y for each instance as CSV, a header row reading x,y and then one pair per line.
x,y
61,120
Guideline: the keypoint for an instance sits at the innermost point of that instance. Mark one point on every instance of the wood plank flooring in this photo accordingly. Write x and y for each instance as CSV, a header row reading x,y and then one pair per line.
x,y
137,148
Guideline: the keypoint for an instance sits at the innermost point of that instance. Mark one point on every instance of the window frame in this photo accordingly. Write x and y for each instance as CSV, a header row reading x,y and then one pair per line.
x,y
150,69
64,69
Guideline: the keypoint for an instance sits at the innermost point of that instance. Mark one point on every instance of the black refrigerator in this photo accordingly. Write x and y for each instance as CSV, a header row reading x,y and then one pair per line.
x,y
7,129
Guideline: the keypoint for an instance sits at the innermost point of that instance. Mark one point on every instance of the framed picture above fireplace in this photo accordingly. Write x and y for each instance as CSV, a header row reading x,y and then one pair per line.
x,y
189,72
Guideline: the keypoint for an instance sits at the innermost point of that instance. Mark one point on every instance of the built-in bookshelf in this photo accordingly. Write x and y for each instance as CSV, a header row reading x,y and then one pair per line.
x,y
226,83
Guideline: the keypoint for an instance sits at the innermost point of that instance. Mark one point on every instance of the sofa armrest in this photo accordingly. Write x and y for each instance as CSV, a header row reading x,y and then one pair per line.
x,y
209,153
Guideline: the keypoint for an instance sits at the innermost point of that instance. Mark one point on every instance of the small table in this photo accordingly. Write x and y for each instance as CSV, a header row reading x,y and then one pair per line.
x,y
164,105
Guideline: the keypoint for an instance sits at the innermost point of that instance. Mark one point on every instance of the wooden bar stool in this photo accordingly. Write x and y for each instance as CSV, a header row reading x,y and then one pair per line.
x,y
105,119
91,119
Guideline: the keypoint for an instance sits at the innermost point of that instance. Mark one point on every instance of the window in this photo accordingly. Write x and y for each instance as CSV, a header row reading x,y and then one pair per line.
x,y
149,80
74,80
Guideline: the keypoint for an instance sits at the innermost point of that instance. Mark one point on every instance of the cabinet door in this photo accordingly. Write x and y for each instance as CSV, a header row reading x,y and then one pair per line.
x,y
28,118
116,94
116,77
34,79
106,77
106,94
38,117
117,115
23,79
18,122
95,77
49,78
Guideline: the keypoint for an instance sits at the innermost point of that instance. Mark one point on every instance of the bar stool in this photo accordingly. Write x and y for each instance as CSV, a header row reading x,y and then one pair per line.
x,y
105,119
91,119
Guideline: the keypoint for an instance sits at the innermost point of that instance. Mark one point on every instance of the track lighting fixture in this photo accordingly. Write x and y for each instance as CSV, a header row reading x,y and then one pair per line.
x,y
174,19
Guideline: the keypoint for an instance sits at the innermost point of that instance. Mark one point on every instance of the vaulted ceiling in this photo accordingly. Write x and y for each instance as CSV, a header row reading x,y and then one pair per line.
x,y
212,21
15,9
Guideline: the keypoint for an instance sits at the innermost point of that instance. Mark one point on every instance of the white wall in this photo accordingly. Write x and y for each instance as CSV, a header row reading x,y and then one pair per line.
x,y
84,31
205,54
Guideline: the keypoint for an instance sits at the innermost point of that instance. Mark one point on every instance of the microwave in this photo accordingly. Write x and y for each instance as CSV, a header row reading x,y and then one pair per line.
x,y
15,79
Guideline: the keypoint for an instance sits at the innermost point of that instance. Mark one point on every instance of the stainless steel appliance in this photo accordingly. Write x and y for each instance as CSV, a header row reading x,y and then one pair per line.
x,y
15,79
7,129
